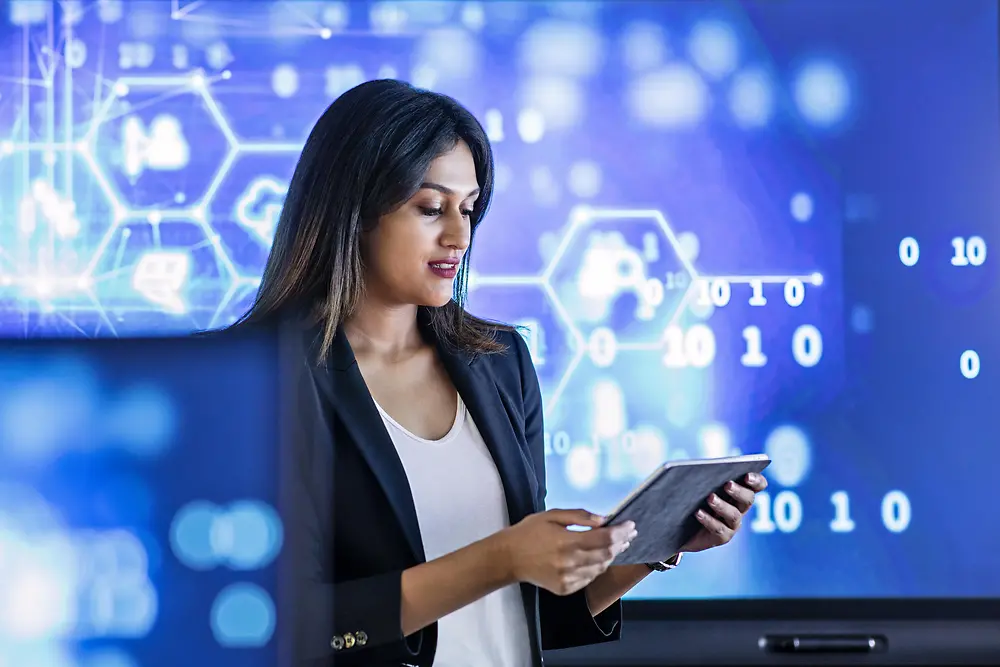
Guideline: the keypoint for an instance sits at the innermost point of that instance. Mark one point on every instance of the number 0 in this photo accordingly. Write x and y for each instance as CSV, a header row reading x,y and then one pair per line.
x,y
807,345
909,251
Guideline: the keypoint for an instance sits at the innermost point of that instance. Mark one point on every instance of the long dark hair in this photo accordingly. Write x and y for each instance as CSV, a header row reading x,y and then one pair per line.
x,y
366,156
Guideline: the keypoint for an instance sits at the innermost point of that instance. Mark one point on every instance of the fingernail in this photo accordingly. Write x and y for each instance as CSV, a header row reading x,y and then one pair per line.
x,y
630,525
597,517
752,478
713,499
701,514
730,486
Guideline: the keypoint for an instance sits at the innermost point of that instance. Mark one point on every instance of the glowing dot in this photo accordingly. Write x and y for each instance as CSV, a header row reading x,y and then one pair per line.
x,y
714,441
155,217
790,454
249,535
751,99
802,207
336,15
530,126
120,89
714,48
326,33
688,246
822,94
646,449
582,467
142,421
862,319
643,46
473,16
285,81
585,178
674,96
190,535
816,279
227,75
243,616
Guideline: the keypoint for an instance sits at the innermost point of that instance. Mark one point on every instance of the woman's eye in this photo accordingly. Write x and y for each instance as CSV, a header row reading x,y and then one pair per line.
x,y
432,212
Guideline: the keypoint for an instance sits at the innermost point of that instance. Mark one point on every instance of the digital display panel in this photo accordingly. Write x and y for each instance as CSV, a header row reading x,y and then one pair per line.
x,y
727,227
139,517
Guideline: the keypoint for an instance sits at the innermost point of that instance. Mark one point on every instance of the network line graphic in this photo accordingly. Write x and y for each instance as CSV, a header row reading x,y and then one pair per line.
x,y
159,269
106,254
580,219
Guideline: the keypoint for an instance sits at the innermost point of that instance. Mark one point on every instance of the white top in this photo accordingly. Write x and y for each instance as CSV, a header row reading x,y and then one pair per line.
x,y
460,499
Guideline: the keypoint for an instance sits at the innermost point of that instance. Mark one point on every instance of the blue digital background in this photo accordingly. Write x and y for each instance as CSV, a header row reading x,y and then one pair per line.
x,y
138,502
729,227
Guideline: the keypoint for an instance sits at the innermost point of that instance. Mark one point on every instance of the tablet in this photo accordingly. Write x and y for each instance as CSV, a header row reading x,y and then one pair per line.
x,y
664,505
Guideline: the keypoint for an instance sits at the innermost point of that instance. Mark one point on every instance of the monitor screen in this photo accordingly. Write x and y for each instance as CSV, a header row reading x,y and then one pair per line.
x,y
138,502
727,227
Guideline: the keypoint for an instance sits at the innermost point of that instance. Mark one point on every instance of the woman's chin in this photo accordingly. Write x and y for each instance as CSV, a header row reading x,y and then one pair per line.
x,y
437,299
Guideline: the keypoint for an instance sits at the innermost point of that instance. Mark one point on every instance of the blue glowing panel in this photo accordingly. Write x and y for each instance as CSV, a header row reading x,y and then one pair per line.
x,y
727,227
118,534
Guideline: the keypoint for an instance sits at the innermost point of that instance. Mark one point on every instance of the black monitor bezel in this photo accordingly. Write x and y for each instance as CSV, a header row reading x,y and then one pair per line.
x,y
742,609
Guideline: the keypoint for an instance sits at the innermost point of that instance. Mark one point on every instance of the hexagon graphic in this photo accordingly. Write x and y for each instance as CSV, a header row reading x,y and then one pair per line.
x,y
53,217
247,205
162,275
160,143
555,346
622,270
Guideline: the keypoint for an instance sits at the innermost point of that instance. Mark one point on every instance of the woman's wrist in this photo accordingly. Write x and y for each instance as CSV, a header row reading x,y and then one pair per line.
x,y
499,554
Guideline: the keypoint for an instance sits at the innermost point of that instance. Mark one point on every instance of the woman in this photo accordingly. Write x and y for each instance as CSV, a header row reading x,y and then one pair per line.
x,y
418,533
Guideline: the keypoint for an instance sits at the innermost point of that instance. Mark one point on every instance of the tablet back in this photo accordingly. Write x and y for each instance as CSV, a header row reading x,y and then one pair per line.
x,y
663,508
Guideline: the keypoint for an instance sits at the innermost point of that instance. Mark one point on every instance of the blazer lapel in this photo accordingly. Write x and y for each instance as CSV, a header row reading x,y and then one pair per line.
x,y
357,411
476,385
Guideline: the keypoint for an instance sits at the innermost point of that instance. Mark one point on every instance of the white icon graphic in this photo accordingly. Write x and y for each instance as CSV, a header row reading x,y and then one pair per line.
x,y
160,276
162,148
260,206
45,204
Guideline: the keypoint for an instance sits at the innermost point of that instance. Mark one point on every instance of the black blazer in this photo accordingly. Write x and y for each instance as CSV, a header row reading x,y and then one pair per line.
x,y
350,523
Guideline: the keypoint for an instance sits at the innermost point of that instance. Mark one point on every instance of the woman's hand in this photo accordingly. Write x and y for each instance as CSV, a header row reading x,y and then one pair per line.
x,y
719,529
541,550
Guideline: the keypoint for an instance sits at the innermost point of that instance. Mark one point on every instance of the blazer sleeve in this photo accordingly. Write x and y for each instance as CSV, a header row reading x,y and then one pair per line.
x,y
319,611
566,621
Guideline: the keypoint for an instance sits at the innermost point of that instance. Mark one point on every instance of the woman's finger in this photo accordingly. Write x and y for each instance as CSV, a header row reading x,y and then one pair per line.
x,y
718,530
741,495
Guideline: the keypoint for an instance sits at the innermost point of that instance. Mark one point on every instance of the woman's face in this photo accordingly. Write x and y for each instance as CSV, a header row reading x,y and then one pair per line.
x,y
413,254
